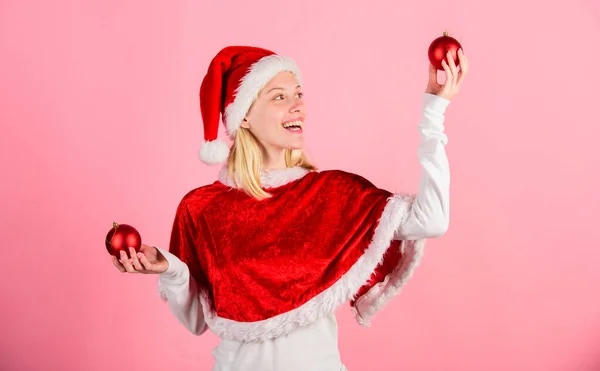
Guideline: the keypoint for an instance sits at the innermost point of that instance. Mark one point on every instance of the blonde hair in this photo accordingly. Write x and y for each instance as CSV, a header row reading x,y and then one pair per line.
x,y
246,161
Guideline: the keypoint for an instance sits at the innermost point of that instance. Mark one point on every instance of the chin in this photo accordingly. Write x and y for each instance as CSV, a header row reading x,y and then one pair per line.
x,y
296,146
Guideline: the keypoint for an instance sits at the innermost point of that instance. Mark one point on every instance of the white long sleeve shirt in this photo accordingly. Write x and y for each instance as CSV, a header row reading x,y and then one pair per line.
x,y
315,347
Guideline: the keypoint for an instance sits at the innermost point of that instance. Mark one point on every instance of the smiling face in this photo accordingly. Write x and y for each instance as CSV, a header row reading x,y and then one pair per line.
x,y
277,116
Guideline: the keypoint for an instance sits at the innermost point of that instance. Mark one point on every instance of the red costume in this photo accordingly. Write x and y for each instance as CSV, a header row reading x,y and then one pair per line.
x,y
265,267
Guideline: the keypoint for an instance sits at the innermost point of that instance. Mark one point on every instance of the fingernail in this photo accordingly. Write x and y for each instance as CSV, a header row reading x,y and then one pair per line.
x,y
139,255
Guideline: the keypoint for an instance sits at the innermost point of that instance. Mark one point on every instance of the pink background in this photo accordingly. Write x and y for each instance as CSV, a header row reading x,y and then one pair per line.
x,y
100,122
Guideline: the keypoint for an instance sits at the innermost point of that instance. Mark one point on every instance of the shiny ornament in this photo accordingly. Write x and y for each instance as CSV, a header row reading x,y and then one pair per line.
x,y
439,48
121,237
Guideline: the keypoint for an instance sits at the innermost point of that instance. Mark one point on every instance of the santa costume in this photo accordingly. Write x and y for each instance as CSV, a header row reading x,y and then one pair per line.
x,y
267,276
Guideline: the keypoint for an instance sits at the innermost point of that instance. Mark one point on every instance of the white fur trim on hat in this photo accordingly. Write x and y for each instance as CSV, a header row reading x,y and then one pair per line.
x,y
259,75
214,152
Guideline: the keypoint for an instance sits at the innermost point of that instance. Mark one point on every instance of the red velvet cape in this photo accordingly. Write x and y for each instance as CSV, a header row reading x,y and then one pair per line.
x,y
268,266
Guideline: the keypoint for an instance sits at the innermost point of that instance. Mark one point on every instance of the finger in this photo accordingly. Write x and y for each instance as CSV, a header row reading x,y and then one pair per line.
x,y
135,261
432,73
448,83
459,79
117,264
126,263
147,265
433,77
464,67
462,58
452,67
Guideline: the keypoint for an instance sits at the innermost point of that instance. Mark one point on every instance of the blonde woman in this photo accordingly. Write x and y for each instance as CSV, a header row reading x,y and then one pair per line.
x,y
265,255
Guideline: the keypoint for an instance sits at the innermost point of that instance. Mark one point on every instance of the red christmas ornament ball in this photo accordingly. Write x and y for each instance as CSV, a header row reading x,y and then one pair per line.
x,y
120,238
440,47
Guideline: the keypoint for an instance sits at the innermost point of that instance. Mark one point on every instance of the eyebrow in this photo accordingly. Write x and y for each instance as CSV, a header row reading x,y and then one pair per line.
x,y
281,88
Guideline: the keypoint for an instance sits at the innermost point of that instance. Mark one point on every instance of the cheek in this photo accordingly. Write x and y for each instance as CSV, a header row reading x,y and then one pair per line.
x,y
268,122
275,115
272,119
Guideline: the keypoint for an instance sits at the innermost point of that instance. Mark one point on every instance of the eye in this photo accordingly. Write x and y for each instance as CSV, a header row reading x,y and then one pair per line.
x,y
300,95
278,96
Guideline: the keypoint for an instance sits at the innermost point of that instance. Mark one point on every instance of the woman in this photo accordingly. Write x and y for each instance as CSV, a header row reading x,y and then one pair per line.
x,y
266,254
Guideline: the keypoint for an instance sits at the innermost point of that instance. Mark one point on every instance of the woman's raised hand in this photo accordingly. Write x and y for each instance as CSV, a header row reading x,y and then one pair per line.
x,y
454,76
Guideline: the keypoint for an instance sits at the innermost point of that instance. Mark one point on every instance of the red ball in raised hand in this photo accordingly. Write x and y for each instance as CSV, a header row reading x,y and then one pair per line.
x,y
120,238
438,50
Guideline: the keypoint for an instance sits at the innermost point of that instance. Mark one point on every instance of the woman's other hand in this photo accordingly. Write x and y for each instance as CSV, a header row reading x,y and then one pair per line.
x,y
147,261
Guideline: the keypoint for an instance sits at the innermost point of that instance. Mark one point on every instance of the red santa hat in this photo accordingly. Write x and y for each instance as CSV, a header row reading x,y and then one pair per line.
x,y
235,77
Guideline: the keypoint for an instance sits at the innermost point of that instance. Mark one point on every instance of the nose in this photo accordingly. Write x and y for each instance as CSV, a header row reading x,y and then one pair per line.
x,y
298,105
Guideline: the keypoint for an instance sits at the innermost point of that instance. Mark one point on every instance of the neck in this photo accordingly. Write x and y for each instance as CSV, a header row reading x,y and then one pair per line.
x,y
273,159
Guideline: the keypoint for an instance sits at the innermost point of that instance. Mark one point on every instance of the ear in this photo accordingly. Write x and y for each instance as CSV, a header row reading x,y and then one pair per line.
x,y
245,124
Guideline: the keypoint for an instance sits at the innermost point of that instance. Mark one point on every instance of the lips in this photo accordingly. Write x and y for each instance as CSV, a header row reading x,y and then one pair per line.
x,y
293,124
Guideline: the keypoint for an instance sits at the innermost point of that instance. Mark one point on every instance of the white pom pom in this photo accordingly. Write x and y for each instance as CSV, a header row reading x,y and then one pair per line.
x,y
214,152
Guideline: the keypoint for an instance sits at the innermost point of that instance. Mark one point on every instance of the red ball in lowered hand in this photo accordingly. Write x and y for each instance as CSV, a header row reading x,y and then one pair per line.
x,y
439,48
121,237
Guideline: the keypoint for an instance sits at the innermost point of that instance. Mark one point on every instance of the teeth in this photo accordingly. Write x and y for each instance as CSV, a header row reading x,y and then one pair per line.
x,y
293,124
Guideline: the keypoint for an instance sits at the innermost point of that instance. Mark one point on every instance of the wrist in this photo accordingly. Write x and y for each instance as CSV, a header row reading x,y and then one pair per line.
x,y
435,102
173,264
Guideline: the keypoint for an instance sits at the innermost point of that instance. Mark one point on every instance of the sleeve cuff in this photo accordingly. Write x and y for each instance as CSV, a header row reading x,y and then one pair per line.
x,y
435,102
176,269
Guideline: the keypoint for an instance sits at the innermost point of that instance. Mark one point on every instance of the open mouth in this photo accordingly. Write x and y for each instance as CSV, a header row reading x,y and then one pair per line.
x,y
293,126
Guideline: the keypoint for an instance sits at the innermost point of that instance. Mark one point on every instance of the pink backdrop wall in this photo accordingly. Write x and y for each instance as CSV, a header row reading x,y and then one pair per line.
x,y
100,122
